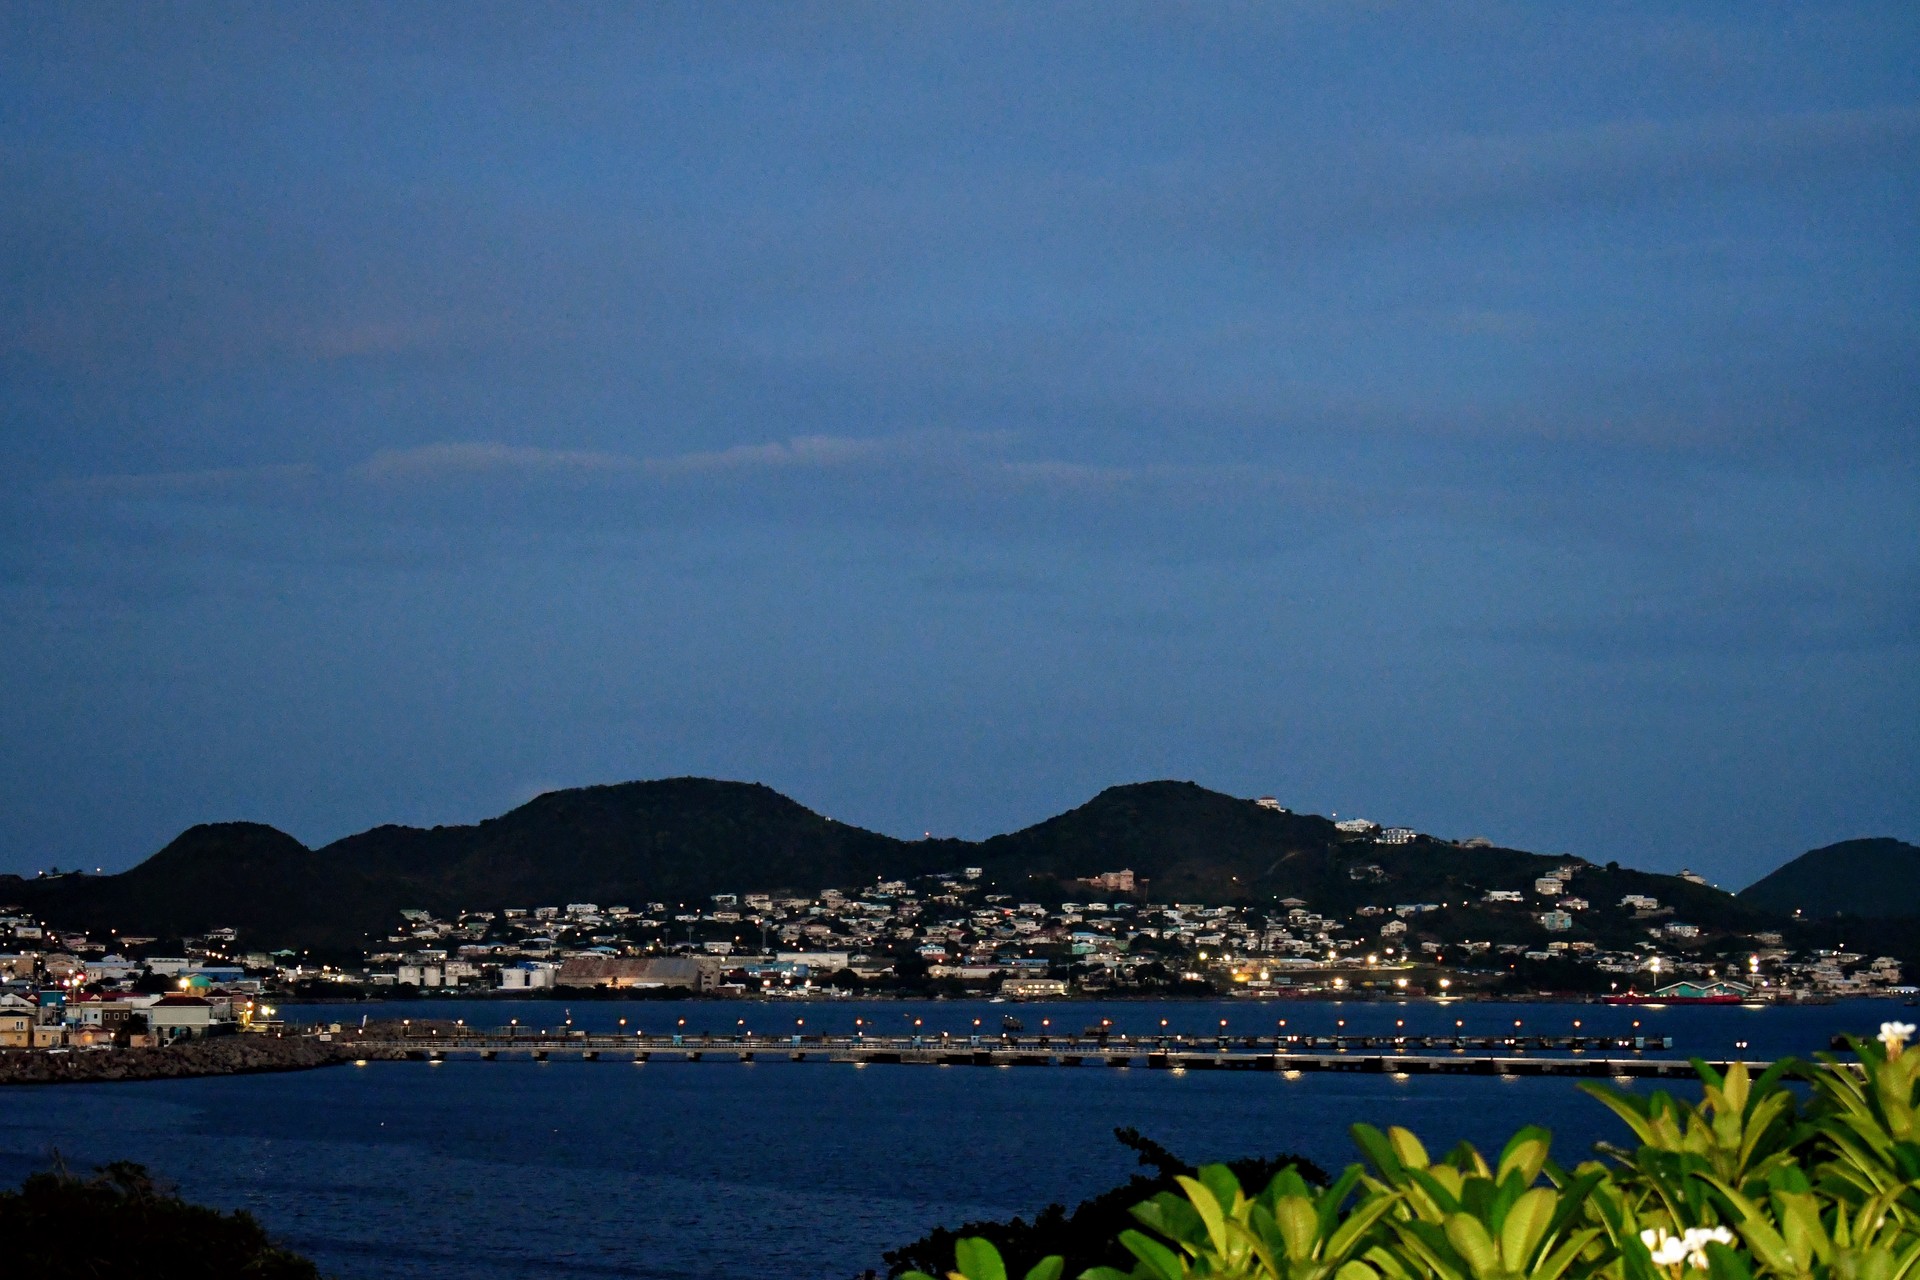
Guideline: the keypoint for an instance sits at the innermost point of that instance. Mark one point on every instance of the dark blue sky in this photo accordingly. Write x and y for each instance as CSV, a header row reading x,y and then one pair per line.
x,y
1498,419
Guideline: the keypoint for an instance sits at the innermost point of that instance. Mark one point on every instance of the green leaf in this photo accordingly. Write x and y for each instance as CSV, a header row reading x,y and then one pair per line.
x,y
1473,1243
977,1259
1526,1226
1208,1208
1348,1235
1219,1179
1525,1153
1160,1261
1299,1226
1375,1146
1047,1268
1407,1148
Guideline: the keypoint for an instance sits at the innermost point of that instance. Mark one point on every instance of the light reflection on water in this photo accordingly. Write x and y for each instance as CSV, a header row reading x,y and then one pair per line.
x,y
517,1169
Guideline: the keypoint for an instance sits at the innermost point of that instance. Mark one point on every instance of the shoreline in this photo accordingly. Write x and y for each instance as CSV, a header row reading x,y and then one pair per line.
x,y
233,1055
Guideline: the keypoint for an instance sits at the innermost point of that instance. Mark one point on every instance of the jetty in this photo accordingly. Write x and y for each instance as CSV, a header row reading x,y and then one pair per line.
x,y
1400,1055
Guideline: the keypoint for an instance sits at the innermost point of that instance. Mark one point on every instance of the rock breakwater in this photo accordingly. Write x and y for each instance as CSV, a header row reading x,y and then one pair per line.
x,y
222,1056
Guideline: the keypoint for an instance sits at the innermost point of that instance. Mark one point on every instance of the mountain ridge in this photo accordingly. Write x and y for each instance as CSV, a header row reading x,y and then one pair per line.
x,y
681,839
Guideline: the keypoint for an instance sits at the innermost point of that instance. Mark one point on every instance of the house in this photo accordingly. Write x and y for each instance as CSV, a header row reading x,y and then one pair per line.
x,y
1396,835
1549,886
1555,921
1032,988
92,1011
187,1017
17,1017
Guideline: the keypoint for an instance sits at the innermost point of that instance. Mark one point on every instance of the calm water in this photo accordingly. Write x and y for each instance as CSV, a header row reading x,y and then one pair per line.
x,y
520,1169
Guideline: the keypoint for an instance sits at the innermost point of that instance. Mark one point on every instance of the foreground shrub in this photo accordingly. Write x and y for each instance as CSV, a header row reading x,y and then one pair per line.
x,y
1752,1182
120,1223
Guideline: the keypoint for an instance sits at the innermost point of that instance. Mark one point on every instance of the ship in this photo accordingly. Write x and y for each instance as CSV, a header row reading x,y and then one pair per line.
x,y
1719,991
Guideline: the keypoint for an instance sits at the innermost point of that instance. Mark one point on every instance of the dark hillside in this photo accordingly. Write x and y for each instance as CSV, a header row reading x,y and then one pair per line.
x,y
672,840
1874,877
1189,842
682,839
195,884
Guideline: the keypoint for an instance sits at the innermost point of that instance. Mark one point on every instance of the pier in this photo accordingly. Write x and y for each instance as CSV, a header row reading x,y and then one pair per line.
x,y
1399,1055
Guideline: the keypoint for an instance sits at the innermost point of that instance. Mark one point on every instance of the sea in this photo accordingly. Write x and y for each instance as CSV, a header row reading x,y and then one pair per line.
x,y
510,1170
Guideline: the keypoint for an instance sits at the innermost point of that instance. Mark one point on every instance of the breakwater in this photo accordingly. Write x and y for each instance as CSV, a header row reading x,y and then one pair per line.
x,y
219,1056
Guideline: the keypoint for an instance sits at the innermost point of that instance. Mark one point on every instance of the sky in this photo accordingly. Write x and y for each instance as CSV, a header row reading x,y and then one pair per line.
x,y
1496,419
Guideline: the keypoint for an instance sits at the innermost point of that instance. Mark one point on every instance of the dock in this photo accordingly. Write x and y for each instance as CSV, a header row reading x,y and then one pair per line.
x,y
1624,1057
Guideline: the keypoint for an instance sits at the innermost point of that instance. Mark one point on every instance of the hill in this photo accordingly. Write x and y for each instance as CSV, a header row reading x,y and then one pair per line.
x,y
1198,845
669,840
1875,878
681,839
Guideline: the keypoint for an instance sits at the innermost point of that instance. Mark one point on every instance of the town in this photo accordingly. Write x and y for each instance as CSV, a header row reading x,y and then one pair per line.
x,y
951,935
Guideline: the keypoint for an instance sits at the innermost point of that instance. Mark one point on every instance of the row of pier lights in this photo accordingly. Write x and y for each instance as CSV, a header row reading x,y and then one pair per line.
x,y
1046,1024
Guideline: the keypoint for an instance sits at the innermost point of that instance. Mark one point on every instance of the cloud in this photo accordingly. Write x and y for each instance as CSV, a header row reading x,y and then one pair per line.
x,y
830,451
487,494
485,458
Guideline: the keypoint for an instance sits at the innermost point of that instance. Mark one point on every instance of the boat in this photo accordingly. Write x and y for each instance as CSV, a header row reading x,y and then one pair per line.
x,y
1720,991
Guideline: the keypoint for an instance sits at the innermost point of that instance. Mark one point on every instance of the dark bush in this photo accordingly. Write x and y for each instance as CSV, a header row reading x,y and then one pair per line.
x,y
121,1223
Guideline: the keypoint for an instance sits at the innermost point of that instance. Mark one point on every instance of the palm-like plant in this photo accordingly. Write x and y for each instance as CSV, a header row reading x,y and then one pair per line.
x,y
1749,1183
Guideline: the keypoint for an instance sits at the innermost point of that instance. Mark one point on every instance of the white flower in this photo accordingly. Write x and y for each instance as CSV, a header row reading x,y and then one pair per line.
x,y
1698,1238
1667,1250
1895,1035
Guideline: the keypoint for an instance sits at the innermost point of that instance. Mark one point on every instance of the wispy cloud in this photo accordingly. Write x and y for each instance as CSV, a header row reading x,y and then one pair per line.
x,y
455,459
